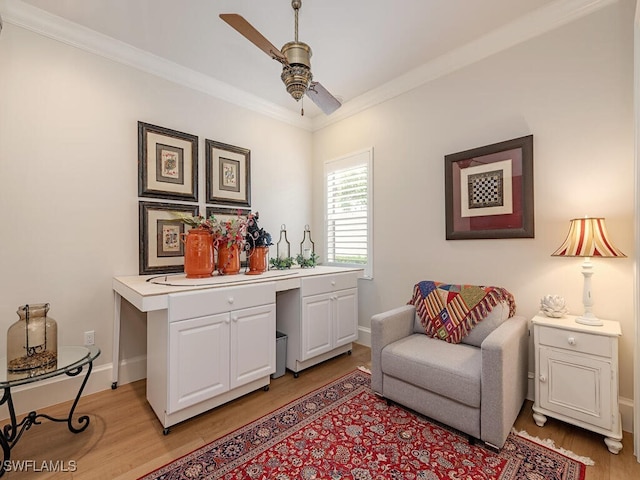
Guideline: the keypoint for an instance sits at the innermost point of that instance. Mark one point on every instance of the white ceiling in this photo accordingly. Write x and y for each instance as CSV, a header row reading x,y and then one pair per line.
x,y
358,45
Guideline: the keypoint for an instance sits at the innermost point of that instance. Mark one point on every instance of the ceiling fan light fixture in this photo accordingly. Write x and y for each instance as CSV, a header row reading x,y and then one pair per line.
x,y
296,79
296,73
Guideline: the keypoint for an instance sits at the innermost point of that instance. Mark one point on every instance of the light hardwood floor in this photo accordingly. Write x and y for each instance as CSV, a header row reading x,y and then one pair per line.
x,y
125,440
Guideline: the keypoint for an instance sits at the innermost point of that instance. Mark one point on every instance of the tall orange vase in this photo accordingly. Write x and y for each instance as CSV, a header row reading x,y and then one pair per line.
x,y
228,259
198,253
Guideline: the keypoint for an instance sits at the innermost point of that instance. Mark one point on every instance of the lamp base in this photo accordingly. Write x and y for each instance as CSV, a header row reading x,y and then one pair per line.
x,y
589,320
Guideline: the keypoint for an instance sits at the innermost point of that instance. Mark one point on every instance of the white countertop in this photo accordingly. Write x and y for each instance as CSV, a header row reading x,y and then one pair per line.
x,y
149,292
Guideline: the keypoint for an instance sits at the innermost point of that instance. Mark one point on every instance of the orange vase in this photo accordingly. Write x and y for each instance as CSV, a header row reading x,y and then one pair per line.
x,y
258,260
228,259
198,253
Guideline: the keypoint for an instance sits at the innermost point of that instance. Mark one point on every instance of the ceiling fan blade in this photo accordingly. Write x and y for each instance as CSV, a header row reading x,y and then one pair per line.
x,y
322,98
254,36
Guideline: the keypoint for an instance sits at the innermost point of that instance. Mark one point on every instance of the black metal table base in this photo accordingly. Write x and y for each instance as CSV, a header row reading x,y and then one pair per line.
x,y
12,432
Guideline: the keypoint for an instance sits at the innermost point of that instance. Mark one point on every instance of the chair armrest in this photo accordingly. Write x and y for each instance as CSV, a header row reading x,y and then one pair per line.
x,y
504,378
386,328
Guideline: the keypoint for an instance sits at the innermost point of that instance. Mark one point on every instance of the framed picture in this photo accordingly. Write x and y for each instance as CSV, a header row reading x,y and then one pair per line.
x,y
161,248
223,214
489,191
167,163
228,174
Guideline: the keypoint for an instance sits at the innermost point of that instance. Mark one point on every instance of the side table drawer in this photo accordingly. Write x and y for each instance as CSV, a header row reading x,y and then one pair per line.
x,y
574,341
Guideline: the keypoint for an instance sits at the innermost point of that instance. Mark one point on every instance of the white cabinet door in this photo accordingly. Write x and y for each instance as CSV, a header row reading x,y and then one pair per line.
x,y
576,385
198,360
345,312
316,328
253,353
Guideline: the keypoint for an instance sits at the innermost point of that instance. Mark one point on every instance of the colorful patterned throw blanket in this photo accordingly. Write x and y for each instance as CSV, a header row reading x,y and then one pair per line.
x,y
449,312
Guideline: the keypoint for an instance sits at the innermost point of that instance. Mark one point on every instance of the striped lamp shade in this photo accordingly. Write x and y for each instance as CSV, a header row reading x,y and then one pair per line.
x,y
587,238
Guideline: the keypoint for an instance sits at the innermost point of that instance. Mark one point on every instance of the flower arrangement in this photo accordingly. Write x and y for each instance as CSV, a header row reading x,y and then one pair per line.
x,y
229,232
225,232
194,222
256,236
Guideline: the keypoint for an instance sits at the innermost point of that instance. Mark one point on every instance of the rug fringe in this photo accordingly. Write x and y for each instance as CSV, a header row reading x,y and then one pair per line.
x,y
547,442
364,369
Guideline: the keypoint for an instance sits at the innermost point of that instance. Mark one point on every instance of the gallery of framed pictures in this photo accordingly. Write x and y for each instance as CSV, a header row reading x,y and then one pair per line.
x,y
168,170
489,191
161,249
167,163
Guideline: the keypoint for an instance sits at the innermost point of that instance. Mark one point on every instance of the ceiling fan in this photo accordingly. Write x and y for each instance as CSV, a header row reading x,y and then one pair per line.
x,y
295,58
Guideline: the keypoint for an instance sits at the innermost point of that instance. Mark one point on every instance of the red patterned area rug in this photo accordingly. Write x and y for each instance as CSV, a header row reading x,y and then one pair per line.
x,y
344,431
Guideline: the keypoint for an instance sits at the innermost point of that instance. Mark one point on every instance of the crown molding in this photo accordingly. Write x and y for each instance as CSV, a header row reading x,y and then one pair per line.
x,y
36,20
528,26
536,23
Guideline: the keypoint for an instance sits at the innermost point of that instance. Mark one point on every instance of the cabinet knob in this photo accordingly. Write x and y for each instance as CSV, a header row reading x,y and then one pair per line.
x,y
234,318
543,378
227,321
571,340
333,283
230,300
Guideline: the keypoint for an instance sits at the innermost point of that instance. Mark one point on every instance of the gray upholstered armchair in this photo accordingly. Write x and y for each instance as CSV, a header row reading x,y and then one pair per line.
x,y
477,386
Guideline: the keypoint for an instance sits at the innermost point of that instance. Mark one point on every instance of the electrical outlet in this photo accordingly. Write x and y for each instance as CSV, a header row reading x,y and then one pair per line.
x,y
90,337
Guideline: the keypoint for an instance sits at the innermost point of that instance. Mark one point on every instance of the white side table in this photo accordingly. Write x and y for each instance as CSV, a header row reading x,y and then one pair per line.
x,y
576,375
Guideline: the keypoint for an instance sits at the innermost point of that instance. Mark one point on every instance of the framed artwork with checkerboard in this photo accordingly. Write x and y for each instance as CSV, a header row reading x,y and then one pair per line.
x,y
489,191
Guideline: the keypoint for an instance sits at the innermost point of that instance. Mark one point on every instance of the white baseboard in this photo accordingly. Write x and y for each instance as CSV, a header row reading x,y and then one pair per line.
x,y
39,395
626,412
364,336
132,370
531,389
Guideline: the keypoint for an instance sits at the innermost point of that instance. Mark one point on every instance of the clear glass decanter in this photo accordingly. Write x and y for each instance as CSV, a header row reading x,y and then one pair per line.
x,y
32,342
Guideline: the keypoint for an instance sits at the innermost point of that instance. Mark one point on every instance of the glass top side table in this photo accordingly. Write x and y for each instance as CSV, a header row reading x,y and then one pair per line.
x,y
71,362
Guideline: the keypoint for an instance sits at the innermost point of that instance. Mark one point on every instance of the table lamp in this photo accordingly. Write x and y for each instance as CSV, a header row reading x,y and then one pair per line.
x,y
588,238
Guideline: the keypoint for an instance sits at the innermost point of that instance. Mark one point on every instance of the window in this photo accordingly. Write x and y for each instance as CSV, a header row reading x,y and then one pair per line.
x,y
348,211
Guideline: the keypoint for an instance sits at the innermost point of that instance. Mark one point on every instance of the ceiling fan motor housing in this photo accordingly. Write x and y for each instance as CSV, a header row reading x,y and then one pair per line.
x,y
297,74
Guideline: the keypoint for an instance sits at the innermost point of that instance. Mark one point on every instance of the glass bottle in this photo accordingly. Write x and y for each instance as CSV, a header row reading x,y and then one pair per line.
x,y
307,247
32,342
283,247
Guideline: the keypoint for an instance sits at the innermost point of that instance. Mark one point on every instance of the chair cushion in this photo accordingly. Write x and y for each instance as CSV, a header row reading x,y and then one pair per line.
x,y
482,329
450,370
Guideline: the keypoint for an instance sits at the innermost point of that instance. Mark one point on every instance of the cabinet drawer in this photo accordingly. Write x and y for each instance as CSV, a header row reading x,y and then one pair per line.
x,y
575,341
328,283
208,302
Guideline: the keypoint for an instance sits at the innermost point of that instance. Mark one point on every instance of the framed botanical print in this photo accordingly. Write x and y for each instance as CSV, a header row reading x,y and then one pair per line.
x,y
167,163
160,236
489,191
228,174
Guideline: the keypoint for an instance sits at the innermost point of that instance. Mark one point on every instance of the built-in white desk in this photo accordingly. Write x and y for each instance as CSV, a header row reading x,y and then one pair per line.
x,y
223,321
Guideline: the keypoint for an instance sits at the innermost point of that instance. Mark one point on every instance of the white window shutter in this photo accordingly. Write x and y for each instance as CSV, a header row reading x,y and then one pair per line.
x,y
348,222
